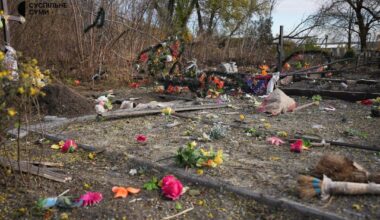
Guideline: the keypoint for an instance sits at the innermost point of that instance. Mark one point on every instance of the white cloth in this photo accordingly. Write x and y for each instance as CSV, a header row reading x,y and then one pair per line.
x,y
272,82
10,62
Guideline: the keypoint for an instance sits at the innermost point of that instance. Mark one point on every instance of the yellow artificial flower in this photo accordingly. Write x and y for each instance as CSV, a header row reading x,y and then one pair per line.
x,y
34,62
11,112
199,171
24,75
193,144
21,90
219,157
242,117
211,163
1,56
4,73
33,91
205,153
167,111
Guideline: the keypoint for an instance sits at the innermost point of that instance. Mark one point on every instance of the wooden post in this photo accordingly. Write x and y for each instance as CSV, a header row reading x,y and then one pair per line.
x,y
280,50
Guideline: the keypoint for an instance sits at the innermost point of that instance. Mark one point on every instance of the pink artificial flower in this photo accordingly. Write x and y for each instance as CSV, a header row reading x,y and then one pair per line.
x,y
141,138
144,57
69,146
90,198
275,141
298,146
171,187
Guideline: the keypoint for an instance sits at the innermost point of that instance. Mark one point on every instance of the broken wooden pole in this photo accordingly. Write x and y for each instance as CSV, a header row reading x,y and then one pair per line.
x,y
349,81
344,95
134,113
26,167
338,143
61,138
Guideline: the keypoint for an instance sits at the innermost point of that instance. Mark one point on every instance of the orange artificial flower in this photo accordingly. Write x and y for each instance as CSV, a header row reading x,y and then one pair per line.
x,y
123,192
264,69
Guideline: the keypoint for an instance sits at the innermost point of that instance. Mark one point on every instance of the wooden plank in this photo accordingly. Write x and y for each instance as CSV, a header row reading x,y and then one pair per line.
x,y
26,167
344,95
358,81
133,113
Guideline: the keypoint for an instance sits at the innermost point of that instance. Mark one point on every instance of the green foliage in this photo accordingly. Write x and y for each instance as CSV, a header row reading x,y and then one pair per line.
x,y
316,98
152,184
218,131
192,156
311,44
306,142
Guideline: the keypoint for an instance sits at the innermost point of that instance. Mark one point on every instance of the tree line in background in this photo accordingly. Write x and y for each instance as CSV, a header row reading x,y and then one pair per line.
x,y
216,30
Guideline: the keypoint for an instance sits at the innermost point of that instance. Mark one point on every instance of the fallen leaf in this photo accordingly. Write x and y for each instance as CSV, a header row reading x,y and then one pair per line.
x,y
200,202
357,207
267,125
86,186
194,192
273,158
178,206
64,216
91,156
199,171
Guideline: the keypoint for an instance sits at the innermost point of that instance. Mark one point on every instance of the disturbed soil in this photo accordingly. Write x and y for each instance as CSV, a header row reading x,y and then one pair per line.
x,y
250,162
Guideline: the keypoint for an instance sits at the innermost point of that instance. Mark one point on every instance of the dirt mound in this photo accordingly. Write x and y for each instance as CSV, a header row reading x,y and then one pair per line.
x,y
60,100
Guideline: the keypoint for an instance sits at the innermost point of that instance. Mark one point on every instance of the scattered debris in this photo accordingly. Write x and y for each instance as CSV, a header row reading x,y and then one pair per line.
x,y
88,199
277,102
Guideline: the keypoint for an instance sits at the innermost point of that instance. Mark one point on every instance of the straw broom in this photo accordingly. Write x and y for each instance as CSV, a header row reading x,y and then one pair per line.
x,y
309,187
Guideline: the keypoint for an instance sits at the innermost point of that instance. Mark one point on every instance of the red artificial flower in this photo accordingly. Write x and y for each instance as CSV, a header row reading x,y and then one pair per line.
x,y
296,146
77,82
141,138
170,89
69,146
171,187
134,85
175,49
144,57
90,198
366,102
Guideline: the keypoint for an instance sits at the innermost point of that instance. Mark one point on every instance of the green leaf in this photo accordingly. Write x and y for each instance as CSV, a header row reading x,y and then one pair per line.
x,y
306,142
151,185
178,206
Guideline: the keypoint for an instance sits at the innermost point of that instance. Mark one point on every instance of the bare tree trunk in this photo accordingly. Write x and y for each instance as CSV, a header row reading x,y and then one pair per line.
x,y
199,15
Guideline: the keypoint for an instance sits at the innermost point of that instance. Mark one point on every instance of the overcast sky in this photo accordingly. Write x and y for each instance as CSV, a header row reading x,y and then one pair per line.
x,y
290,12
